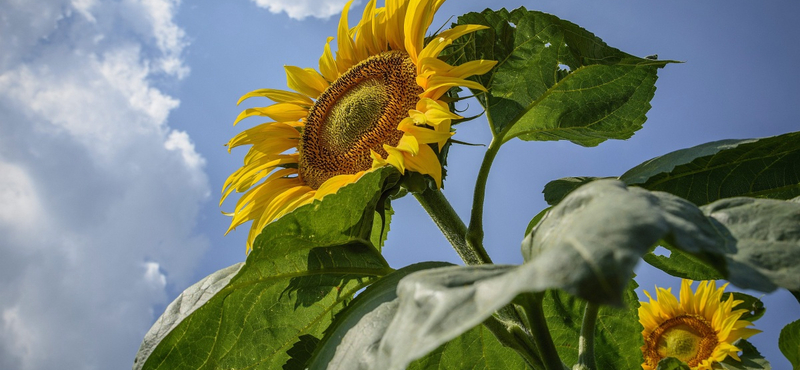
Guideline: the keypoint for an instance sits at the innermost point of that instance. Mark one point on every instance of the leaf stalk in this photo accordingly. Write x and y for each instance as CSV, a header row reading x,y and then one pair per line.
x,y
475,231
586,341
453,228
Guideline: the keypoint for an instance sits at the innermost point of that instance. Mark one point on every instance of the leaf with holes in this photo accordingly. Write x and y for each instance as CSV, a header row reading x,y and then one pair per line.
x,y
556,81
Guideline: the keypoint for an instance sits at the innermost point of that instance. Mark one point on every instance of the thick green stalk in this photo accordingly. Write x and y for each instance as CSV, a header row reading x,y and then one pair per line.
x,y
586,341
443,214
541,334
475,231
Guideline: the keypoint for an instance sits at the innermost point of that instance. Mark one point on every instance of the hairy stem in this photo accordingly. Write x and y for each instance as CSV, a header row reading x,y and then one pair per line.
x,y
452,227
475,231
540,332
586,341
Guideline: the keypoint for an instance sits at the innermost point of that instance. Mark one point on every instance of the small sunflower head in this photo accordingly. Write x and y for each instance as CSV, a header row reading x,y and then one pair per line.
x,y
699,330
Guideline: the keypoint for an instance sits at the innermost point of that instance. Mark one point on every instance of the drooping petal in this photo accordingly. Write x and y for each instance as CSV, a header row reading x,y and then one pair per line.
x,y
278,96
278,112
306,81
442,40
425,162
267,135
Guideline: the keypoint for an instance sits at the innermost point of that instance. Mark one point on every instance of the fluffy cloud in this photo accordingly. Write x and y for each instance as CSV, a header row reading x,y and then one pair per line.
x,y
99,197
300,9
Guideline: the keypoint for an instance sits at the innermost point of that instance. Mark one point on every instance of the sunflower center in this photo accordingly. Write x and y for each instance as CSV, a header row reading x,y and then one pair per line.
x,y
357,113
688,338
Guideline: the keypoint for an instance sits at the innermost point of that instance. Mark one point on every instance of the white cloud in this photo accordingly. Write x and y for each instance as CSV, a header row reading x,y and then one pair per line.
x,y
179,140
99,197
300,9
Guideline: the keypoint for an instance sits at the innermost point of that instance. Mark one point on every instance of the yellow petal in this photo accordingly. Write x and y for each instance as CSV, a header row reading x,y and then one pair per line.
x,y
472,68
418,17
278,96
264,135
327,65
345,55
438,43
425,135
438,85
395,17
425,162
333,184
306,81
278,112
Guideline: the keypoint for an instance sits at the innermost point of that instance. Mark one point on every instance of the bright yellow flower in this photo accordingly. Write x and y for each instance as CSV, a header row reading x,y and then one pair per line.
x,y
377,102
699,330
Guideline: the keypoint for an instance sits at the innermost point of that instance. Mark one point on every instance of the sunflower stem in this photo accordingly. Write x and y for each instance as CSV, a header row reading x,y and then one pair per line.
x,y
443,214
475,231
586,340
541,334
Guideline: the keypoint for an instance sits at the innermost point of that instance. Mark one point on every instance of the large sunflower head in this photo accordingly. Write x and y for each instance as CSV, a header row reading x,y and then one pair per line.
x,y
377,102
699,330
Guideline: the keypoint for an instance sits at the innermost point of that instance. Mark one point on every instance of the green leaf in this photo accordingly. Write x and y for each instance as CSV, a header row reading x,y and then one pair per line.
x,y
303,269
556,190
362,323
789,343
187,302
766,241
535,220
683,265
475,349
587,246
672,363
592,239
751,359
765,168
755,308
556,81
618,336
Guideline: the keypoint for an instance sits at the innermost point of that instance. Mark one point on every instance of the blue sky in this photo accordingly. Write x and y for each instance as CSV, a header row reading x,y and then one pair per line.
x,y
113,116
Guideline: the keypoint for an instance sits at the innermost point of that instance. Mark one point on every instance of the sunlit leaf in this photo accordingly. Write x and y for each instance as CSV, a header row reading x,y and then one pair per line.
x,y
356,329
303,269
588,246
764,168
556,81
766,245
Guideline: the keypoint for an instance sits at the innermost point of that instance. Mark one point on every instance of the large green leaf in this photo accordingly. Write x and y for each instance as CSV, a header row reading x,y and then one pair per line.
x,y
767,167
618,335
789,343
765,238
556,81
764,168
352,342
356,329
476,349
594,237
587,246
303,269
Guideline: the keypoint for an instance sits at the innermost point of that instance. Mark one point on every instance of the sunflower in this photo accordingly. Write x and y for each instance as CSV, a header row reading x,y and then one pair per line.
x,y
378,102
699,330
